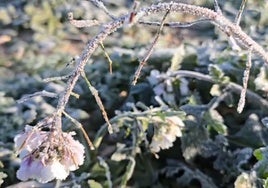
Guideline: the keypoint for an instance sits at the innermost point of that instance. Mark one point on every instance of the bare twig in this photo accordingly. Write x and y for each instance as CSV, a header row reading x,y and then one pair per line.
x,y
99,102
217,7
132,16
242,99
80,126
149,52
89,49
76,95
237,89
81,23
107,57
56,78
229,28
233,44
99,4
216,100
240,12
176,24
37,94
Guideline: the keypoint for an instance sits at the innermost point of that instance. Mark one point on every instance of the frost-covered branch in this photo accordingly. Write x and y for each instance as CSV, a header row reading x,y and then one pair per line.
x,y
215,18
228,27
49,148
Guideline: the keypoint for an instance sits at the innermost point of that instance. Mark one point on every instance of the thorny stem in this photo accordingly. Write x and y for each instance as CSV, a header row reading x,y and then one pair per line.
x,y
217,19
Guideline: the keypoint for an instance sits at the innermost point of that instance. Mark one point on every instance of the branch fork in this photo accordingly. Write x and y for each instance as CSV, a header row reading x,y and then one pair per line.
x,y
231,29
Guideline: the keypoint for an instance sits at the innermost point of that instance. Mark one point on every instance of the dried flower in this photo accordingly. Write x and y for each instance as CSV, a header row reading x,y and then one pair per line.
x,y
47,155
166,132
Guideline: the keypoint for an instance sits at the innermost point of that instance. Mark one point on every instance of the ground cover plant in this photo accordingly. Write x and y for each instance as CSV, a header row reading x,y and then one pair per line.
x,y
133,93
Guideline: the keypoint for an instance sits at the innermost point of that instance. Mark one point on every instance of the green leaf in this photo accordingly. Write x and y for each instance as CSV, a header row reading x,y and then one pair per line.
x,y
261,153
107,171
215,121
258,154
129,171
94,184
261,167
266,183
252,134
217,74
193,139
161,115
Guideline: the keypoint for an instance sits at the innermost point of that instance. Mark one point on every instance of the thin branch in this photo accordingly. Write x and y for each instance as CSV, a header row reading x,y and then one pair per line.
x,y
106,167
99,4
71,62
132,16
45,122
240,12
175,24
233,44
242,99
81,23
237,89
150,50
217,7
58,78
229,28
216,100
99,102
80,126
192,74
37,94
76,95
83,59
107,57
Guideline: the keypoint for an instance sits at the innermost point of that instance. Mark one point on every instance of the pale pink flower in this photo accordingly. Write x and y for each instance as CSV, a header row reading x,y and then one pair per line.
x,y
47,155
74,158
33,137
32,168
